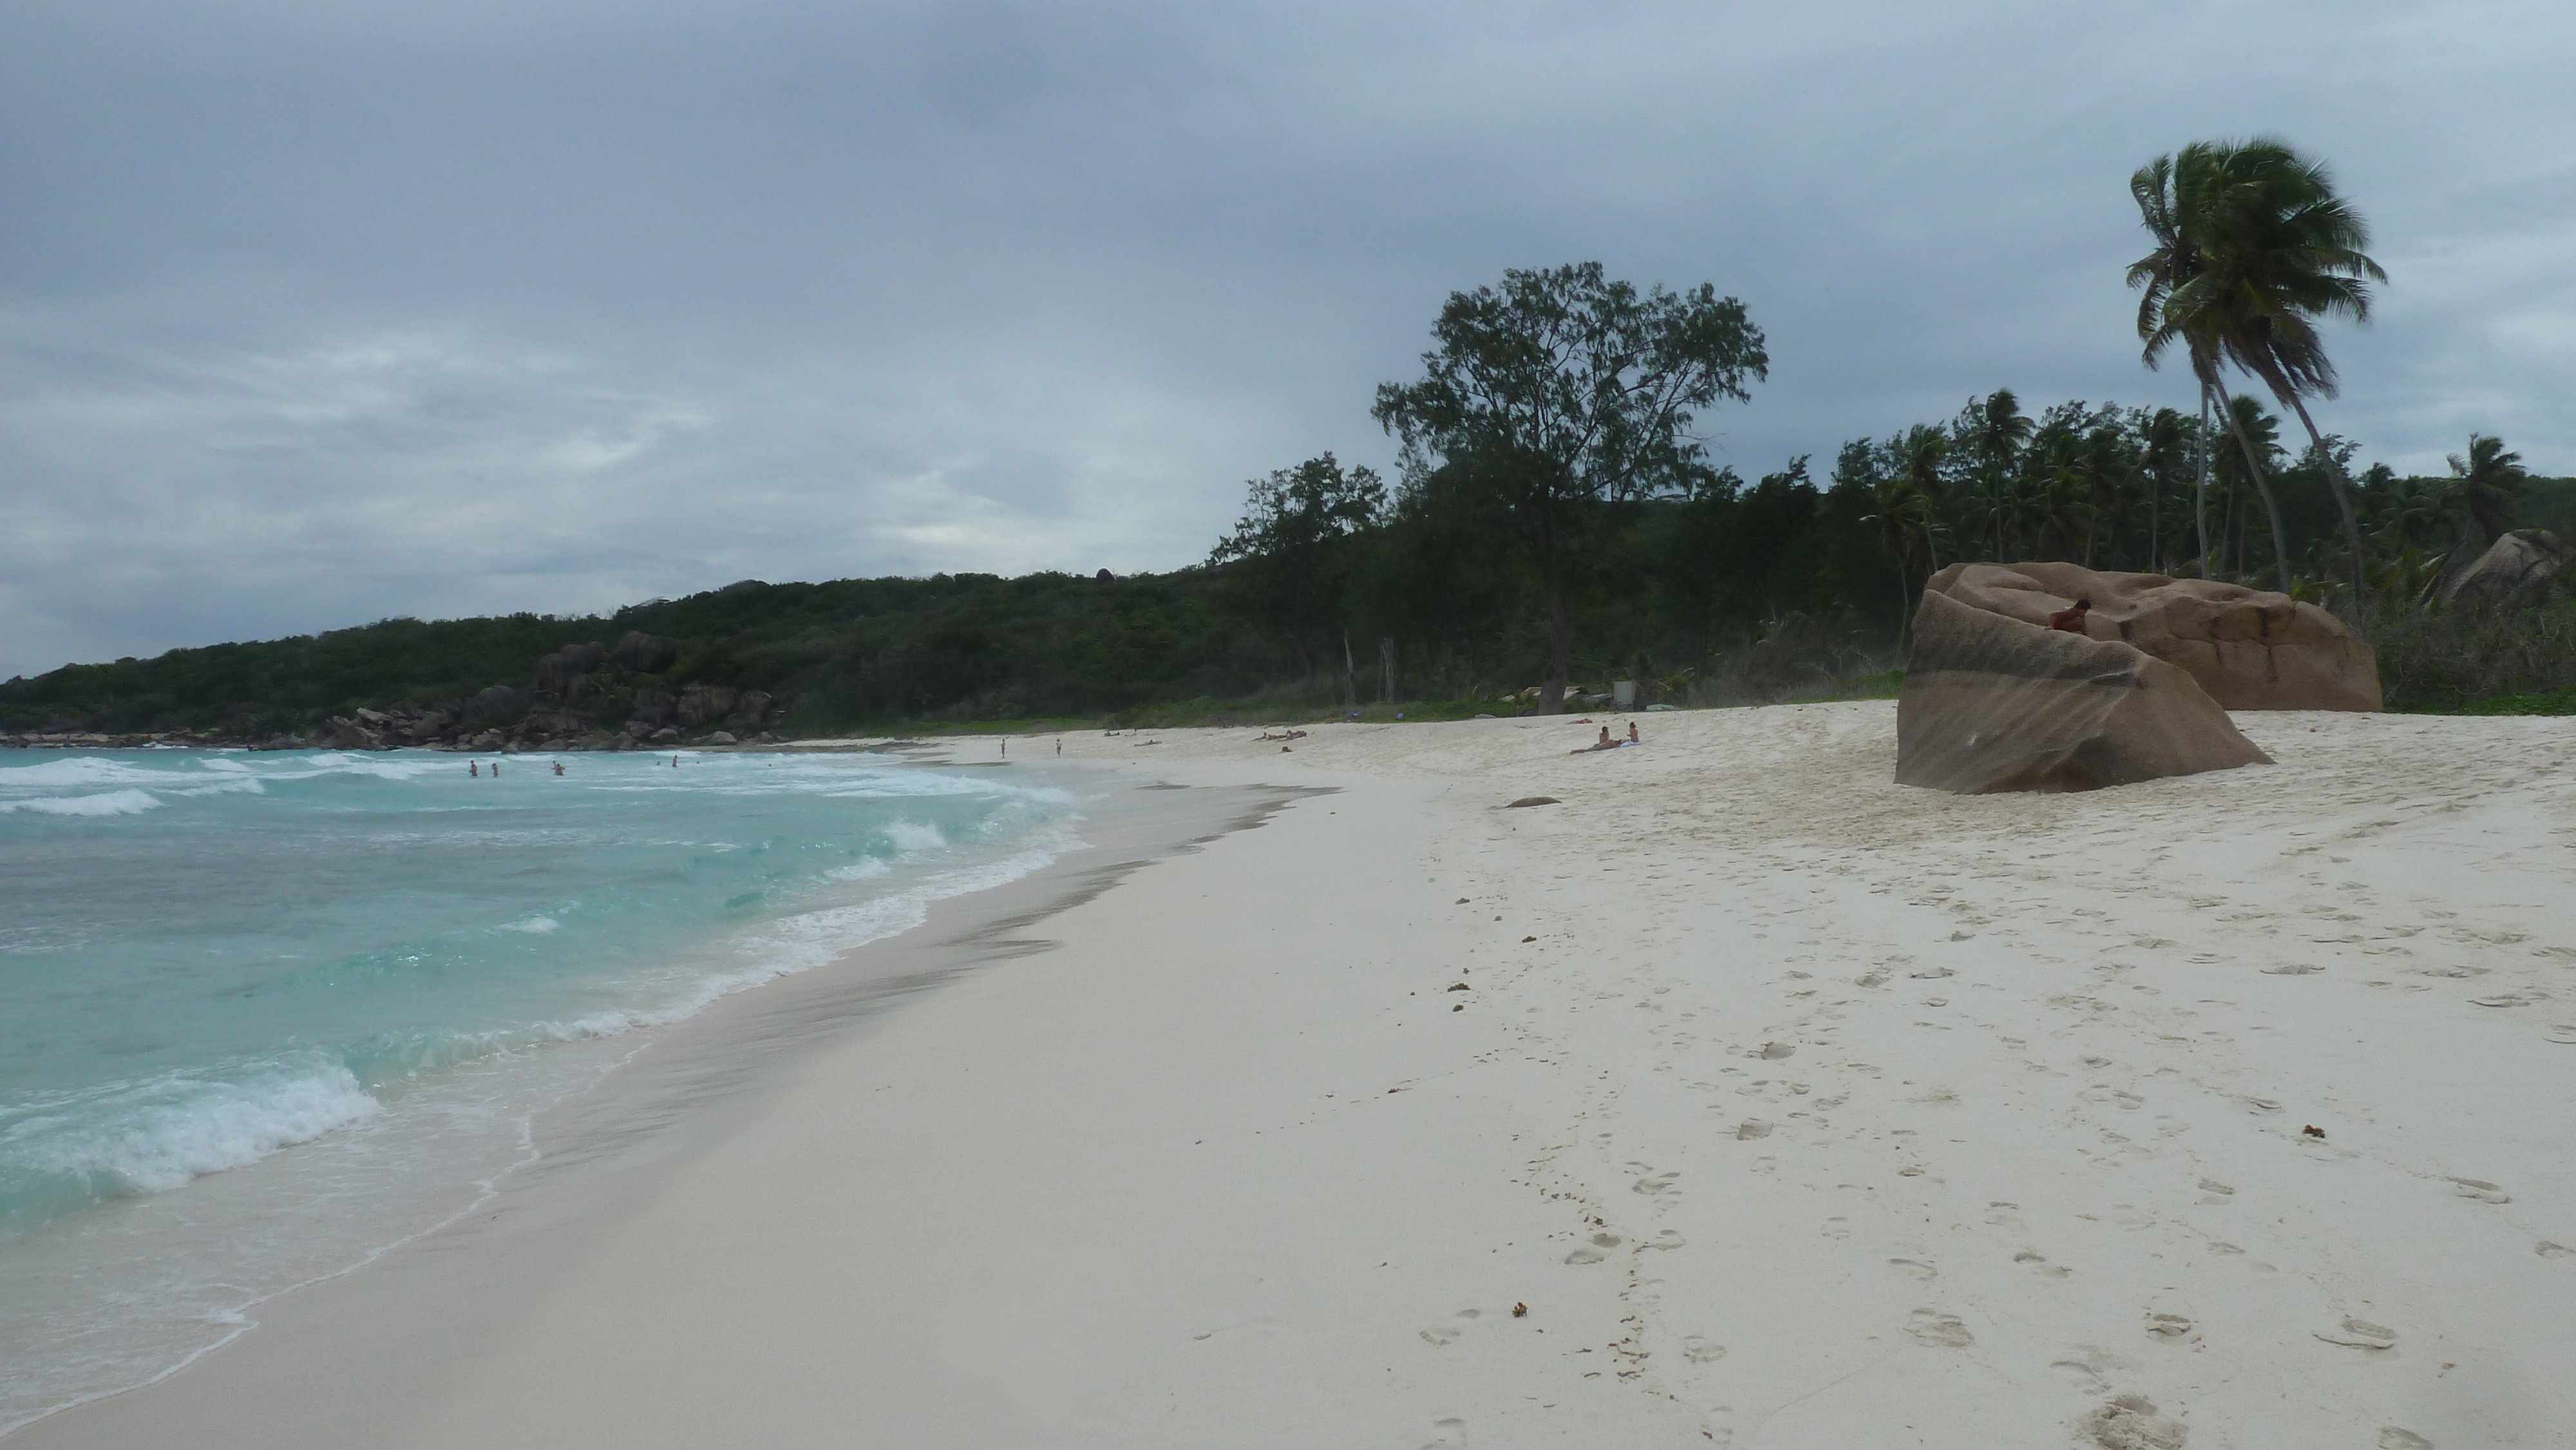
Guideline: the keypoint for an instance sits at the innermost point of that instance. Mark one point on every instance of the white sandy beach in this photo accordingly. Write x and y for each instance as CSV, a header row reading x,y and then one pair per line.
x,y
1799,1109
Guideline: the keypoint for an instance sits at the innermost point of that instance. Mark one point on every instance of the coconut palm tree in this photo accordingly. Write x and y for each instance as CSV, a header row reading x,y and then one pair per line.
x,y
2258,438
1993,430
2165,444
1906,518
2253,247
2483,484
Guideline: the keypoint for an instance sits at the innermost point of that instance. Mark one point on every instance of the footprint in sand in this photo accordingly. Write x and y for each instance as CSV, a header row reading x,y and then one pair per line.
x,y
1776,1050
2564,1033
2086,1371
1943,1331
2360,1334
1753,1128
2292,969
2481,1190
1917,1268
2170,1326
1594,1252
2054,1271
1701,1351
1656,1183
1447,1434
1447,1334
2132,1422
2393,1438
2548,1250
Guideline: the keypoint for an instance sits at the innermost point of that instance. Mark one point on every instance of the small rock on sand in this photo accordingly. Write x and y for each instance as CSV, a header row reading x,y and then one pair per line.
x,y
1532,800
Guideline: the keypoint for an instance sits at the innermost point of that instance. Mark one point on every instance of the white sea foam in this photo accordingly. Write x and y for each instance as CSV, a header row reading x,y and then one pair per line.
x,y
909,836
103,803
158,1134
534,925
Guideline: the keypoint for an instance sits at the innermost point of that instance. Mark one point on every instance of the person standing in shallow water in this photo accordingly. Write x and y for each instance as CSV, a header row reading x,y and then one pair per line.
x,y
474,768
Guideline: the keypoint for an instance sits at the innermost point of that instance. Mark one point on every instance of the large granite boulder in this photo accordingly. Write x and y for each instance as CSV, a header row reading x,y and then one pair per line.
x,y
706,704
498,703
2515,570
646,654
1995,703
558,672
2249,649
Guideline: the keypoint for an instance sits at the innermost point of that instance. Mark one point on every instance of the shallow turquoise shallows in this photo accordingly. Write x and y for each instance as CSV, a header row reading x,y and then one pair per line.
x,y
207,959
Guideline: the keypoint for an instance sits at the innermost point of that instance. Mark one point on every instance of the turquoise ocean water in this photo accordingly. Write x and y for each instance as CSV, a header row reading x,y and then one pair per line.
x,y
263,1014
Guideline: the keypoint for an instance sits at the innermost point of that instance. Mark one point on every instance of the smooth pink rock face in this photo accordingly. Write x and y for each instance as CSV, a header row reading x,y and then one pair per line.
x,y
2249,649
1993,702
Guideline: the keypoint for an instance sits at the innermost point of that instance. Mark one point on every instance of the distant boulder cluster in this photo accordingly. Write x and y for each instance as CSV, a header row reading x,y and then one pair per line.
x,y
581,697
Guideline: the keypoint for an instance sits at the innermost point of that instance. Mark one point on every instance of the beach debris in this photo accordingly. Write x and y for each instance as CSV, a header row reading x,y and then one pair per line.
x,y
1533,800
1455,987
2360,1334
1458,1007
1462,901
2312,1131
2131,1422
1529,939
1520,1311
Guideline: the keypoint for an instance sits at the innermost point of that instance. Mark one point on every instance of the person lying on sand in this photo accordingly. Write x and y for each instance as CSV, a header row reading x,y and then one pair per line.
x,y
1604,743
2071,619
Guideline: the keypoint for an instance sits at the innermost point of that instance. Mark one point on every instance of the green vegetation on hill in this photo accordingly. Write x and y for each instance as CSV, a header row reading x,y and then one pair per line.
x,y
1556,524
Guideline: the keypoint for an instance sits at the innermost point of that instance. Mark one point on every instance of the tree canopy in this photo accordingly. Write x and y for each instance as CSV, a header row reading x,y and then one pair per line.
x,y
1562,390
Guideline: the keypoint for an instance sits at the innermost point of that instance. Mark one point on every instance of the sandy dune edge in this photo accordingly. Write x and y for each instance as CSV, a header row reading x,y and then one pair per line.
x,y
1814,1112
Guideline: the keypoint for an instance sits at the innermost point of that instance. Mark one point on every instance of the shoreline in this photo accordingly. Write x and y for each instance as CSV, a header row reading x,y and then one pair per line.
x,y
669,1079
1790,1107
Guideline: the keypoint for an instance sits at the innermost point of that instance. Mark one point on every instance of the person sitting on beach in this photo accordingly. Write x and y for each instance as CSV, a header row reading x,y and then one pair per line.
x,y
1604,743
2072,619
1632,732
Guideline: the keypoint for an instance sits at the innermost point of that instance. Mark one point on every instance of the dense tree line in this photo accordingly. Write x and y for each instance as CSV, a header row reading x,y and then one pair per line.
x,y
1556,521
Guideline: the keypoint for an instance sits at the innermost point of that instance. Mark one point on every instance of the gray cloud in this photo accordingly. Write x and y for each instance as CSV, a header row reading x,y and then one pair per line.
x,y
312,315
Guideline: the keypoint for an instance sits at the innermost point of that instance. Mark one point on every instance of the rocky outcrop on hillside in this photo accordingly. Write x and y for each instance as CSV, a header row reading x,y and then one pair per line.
x,y
2517,569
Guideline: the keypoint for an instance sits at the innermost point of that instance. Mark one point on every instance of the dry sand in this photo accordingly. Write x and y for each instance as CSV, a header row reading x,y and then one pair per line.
x,y
1799,1109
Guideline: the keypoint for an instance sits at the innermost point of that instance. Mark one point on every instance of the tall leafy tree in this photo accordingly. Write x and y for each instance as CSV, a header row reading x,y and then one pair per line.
x,y
1561,392
2253,248
1290,554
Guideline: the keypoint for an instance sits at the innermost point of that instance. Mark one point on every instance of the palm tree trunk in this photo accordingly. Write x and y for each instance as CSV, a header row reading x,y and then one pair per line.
x,y
2200,494
2262,485
2342,493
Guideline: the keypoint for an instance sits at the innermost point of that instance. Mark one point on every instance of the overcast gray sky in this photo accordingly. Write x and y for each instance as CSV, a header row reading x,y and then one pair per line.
x,y
315,313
